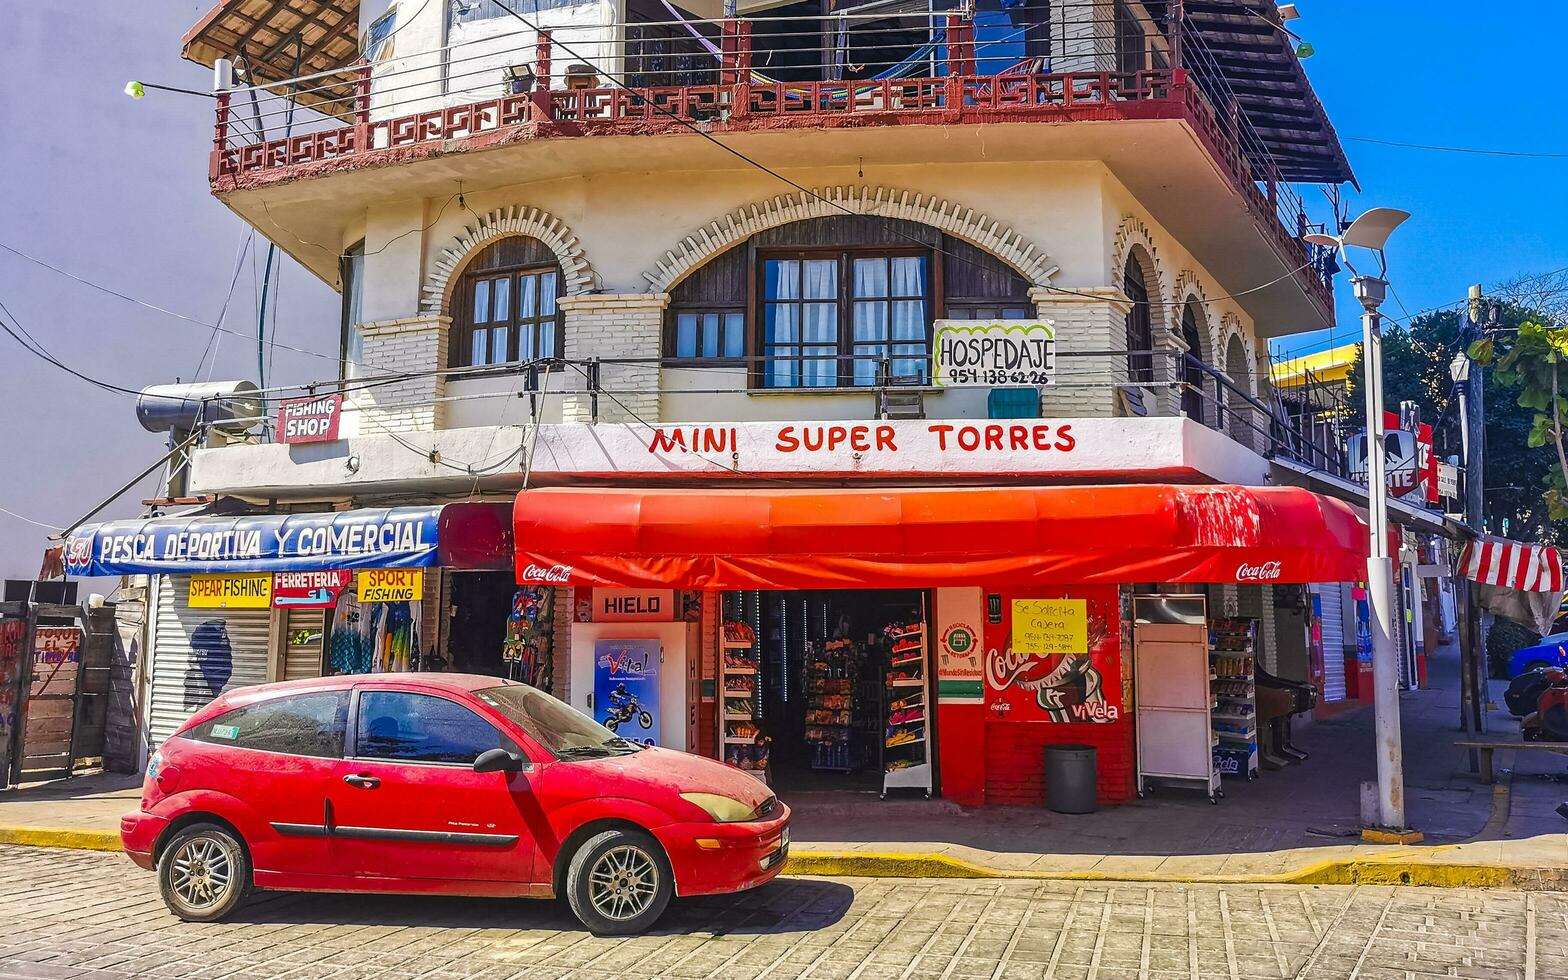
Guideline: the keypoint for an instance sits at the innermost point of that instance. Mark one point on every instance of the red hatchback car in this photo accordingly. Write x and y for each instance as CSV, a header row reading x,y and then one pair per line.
x,y
444,784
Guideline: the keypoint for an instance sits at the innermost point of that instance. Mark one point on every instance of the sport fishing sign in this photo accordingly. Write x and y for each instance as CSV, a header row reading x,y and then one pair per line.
x,y
993,353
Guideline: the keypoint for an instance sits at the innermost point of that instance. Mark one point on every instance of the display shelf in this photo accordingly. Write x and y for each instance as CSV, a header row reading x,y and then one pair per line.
x,y
906,763
743,743
832,674
1232,656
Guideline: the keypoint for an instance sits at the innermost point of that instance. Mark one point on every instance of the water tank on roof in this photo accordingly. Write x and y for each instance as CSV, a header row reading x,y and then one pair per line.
x,y
232,406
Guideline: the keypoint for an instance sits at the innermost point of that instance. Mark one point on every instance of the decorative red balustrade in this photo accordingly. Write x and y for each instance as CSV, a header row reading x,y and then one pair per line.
x,y
739,104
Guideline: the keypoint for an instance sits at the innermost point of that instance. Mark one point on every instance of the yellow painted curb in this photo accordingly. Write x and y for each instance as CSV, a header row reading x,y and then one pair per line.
x,y
1395,870
81,840
865,864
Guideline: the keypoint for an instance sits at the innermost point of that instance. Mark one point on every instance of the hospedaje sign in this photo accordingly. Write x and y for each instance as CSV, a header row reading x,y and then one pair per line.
x,y
399,537
993,353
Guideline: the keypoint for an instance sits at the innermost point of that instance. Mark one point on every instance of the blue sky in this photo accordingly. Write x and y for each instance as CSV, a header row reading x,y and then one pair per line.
x,y
1451,74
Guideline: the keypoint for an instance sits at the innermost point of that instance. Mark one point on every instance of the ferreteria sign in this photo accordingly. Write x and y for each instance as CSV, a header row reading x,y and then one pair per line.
x,y
902,447
993,353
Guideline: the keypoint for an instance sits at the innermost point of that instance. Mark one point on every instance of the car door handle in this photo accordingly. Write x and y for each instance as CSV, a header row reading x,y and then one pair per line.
x,y
362,781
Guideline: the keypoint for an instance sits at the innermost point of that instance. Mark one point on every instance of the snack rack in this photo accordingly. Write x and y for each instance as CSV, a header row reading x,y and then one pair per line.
x,y
1232,652
830,705
744,745
906,752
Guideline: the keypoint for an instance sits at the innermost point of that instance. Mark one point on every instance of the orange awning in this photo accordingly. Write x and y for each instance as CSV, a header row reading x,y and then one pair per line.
x,y
927,537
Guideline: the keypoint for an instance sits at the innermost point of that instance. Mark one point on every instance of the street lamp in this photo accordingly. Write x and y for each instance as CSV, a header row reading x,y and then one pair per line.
x,y
1371,231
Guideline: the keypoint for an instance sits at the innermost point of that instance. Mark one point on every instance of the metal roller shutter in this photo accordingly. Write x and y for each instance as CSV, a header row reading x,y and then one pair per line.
x,y
198,654
303,641
1333,601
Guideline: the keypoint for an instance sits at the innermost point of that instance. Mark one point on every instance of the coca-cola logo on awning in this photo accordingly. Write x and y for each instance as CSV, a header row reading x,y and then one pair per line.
x,y
552,574
1269,571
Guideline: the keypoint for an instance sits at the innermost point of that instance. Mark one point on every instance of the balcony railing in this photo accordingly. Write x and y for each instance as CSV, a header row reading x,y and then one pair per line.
x,y
745,75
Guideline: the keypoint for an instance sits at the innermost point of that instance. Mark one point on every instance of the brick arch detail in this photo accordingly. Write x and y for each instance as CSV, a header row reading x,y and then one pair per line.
x,y
1230,326
1189,288
734,227
577,275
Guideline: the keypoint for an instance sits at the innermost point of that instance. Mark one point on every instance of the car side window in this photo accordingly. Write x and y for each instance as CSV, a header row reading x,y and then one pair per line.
x,y
404,727
305,724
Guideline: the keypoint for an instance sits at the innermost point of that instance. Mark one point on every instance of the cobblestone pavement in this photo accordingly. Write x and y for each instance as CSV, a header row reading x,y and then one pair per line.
x,y
78,914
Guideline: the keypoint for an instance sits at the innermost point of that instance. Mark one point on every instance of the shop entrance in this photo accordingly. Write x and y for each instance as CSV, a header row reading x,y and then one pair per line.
x,y
828,689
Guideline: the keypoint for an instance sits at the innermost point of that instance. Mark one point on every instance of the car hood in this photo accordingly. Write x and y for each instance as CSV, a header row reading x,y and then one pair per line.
x,y
680,772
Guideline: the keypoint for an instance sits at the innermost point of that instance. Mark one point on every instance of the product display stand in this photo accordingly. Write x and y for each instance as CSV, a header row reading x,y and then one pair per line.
x,y
1172,681
906,753
744,745
1232,646
832,670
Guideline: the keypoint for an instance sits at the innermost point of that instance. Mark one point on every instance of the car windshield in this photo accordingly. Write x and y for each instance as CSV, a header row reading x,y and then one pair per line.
x,y
566,732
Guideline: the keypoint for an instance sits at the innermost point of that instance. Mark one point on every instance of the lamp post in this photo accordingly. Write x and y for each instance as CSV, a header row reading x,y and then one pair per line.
x,y
1371,231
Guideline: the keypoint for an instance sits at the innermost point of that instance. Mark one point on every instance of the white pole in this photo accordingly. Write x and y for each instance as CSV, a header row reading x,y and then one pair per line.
x,y
1380,573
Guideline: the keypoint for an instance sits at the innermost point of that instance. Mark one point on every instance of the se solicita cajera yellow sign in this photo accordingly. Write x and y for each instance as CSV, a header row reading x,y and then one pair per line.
x,y
252,590
391,584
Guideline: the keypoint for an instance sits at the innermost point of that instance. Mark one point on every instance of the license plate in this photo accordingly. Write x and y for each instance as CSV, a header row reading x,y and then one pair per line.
x,y
784,839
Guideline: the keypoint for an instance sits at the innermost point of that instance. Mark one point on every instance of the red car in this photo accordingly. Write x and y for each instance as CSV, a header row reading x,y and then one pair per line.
x,y
443,784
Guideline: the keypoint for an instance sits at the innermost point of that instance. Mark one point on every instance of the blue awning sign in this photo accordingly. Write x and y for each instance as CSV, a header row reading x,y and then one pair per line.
x,y
396,537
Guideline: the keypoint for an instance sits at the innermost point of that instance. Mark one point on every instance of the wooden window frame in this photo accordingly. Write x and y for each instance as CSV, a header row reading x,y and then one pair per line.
x,y
672,332
464,327
1140,321
844,345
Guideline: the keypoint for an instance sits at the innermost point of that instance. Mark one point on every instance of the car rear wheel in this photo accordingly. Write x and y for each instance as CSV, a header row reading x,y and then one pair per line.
x,y
619,883
204,873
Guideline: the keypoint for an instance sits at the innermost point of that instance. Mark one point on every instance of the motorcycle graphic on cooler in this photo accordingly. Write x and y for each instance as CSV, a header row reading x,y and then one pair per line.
x,y
623,708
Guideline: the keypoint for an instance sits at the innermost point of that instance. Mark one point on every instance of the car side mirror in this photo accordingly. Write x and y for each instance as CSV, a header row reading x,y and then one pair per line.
x,y
498,760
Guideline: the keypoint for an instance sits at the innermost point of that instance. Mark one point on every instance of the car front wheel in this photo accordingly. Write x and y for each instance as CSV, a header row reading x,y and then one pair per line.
x,y
619,883
204,873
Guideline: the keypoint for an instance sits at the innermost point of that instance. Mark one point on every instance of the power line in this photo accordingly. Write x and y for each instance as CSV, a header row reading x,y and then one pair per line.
x,y
45,356
155,308
1478,151
29,520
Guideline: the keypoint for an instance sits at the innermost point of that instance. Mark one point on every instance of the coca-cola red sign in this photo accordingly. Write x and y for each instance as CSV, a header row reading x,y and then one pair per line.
x,y
547,574
1268,571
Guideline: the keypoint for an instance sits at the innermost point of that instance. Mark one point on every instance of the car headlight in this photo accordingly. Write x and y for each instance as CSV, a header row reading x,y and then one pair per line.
x,y
721,809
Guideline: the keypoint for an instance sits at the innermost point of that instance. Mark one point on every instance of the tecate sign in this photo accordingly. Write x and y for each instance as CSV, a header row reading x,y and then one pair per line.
x,y
1269,571
991,353
552,574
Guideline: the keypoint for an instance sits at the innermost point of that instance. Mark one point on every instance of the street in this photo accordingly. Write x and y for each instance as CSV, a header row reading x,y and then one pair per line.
x,y
72,914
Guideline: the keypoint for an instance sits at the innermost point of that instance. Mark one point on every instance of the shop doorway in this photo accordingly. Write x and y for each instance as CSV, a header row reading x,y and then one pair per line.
x,y
827,690
481,602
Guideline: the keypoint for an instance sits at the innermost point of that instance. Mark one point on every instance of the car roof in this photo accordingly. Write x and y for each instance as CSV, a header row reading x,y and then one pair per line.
x,y
240,697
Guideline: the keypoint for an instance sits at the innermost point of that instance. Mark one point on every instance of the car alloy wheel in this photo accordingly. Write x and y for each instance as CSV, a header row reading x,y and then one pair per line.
x,y
204,872
623,882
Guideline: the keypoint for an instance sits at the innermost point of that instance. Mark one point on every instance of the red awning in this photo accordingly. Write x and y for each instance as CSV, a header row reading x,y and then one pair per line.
x,y
927,537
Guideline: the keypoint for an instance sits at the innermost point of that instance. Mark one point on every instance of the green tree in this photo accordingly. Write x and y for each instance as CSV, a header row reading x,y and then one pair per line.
x,y
1532,359
1415,368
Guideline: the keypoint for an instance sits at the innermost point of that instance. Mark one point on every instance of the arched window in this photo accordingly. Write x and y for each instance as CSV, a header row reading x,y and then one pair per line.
x,y
1140,326
505,306
1240,410
1195,380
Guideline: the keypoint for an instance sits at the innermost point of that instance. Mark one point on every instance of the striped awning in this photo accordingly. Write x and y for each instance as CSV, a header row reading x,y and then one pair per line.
x,y
1512,565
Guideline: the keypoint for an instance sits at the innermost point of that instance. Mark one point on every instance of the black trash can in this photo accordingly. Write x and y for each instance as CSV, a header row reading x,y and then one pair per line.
x,y
1071,773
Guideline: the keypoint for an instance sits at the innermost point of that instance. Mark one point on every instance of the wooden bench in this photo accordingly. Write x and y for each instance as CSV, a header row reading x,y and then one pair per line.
x,y
1485,749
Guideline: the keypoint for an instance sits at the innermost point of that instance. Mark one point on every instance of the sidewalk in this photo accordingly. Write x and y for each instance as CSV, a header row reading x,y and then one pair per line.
x,y
1300,824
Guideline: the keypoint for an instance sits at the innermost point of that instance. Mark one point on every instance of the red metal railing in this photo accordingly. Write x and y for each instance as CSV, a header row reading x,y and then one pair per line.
x,y
738,103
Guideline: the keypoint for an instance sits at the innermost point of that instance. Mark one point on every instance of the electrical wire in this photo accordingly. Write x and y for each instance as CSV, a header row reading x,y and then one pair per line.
x,y
1477,151
29,520
48,358
152,306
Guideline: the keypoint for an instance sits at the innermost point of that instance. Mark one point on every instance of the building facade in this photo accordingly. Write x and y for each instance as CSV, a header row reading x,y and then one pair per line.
x,y
645,312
